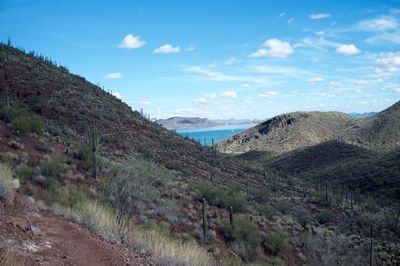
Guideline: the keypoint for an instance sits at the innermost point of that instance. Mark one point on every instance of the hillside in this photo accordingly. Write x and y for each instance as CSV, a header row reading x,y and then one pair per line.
x,y
98,177
380,131
287,132
344,164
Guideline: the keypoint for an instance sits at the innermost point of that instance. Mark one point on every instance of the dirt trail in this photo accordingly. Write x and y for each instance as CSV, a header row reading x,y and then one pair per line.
x,y
47,239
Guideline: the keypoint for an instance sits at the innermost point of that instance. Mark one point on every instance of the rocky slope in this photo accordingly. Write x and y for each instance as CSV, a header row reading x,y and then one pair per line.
x,y
287,132
291,131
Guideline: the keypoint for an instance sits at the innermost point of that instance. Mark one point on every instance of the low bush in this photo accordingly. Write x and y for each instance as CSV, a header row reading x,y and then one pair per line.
x,y
6,184
276,241
245,231
303,216
53,170
262,195
223,198
325,216
25,172
283,206
26,123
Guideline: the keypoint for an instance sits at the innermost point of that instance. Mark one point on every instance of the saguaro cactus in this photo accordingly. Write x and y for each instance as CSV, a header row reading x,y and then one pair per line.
x,y
231,215
93,144
91,140
371,247
204,220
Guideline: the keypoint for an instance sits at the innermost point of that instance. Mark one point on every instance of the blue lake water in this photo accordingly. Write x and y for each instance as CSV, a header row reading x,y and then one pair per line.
x,y
206,135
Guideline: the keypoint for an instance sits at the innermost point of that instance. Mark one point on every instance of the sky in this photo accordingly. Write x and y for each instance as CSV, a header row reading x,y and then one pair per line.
x,y
221,59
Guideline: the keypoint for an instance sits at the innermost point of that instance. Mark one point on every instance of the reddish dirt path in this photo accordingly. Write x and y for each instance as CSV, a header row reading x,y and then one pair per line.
x,y
58,242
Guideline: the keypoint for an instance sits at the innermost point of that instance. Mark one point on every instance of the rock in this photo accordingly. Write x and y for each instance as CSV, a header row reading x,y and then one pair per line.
x,y
79,177
16,183
36,231
16,145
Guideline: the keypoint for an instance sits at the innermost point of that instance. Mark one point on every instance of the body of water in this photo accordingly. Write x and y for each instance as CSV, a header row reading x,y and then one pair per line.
x,y
206,135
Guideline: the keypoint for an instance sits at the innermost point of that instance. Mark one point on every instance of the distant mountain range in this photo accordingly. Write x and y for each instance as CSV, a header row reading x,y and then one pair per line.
x,y
362,115
197,122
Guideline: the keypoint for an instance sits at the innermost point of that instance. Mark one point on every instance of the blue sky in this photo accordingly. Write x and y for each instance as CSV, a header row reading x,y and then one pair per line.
x,y
221,59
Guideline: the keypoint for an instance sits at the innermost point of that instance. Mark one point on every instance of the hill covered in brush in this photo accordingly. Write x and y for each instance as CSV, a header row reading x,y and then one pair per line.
x,y
343,164
287,132
291,131
90,167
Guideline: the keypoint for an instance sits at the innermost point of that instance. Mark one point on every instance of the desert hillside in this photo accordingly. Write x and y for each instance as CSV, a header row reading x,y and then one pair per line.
x,y
287,132
291,131
88,167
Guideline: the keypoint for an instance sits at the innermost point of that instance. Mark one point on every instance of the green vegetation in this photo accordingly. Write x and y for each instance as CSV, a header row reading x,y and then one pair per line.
x,y
325,216
6,185
53,170
276,241
245,231
26,123
223,198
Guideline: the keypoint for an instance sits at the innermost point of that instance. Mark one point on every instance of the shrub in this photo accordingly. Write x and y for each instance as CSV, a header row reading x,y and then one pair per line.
x,y
84,155
53,170
303,216
283,206
26,123
276,241
223,198
25,172
325,216
244,231
266,210
9,113
133,182
6,184
262,195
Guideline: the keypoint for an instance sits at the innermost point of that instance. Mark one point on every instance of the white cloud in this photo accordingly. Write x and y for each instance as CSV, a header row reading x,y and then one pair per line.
x,y
290,20
117,94
144,102
276,49
190,49
218,76
259,53
131,42
280,70
115,75
314,80
268,94
347,49
381,23
167,49
230,61
229,95
226,96
384,38
388,63
282,14
317,43
319,16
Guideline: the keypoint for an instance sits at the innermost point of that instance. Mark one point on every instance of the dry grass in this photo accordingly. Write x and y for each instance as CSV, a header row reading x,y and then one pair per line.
x,y
8,256
6,185
167,251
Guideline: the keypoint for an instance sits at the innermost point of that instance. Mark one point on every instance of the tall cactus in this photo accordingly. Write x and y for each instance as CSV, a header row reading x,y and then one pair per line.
x,y
371,247
94,144
231,215
204,211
